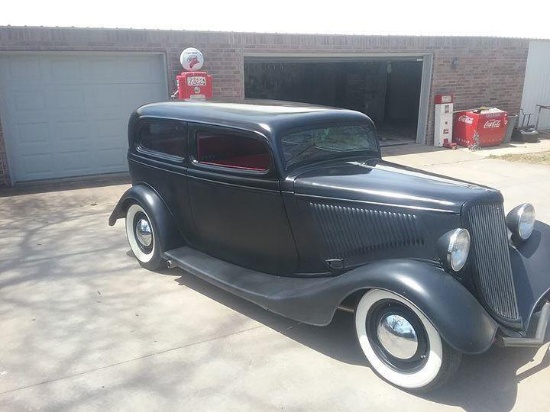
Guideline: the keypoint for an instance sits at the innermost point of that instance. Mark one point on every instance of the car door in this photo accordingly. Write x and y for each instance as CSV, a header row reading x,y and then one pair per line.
x,y
159,159
236,202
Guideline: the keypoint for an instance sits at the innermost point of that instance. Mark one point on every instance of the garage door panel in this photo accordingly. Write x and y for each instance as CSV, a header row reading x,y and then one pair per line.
x,y
118,146
109,129
71,131
68,99
136,94
23,69
104,70
30,101
37,166
33,134
139,70
112,159
66,114
64,70
102,101
75,162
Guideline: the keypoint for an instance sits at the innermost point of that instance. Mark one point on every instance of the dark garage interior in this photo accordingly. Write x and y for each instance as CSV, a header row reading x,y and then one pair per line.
x,y
386,90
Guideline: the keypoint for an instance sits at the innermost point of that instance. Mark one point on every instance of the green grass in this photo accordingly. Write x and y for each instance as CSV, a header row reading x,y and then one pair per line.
x,y
542,158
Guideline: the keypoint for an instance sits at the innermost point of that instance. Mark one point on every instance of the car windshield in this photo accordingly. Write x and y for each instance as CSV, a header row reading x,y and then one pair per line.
x,y
311,144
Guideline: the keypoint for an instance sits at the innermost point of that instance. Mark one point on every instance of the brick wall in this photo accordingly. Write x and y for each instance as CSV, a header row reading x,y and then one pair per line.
x,y
488,71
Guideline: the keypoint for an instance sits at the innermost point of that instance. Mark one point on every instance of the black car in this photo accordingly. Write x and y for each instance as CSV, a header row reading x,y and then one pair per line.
x,y
292,207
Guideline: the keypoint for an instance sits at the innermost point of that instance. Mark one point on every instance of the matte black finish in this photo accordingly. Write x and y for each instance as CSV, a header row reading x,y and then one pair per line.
x,y
377,182
169,236
298,240
240,215
531,268
456,314
369,209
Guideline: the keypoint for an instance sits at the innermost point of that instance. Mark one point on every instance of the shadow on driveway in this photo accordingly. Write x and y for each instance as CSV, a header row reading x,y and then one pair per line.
x,y
484,382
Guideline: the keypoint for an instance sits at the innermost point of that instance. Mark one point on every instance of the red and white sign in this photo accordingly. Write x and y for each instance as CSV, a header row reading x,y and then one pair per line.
x,y
443,119
466,119
443,98
492,124
194,85
196,81
480,127
191,59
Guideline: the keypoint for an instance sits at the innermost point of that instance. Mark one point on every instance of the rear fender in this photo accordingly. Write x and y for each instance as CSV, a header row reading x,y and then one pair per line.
x,y
169,235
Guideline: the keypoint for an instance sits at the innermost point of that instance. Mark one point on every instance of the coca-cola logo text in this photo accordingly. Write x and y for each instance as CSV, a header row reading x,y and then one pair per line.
x,y
492,124
466,119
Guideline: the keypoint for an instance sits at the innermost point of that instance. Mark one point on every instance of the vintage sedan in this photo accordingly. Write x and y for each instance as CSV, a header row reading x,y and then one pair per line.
x,y
292,207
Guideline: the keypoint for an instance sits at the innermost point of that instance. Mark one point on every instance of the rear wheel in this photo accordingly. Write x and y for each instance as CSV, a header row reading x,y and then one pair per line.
x,y
143,237
401,344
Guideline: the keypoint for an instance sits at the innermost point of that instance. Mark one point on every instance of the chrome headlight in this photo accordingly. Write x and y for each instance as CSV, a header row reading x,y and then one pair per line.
x,y
453,249
521,221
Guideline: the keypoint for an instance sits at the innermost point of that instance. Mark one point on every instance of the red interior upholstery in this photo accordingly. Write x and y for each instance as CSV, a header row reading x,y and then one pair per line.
x,y
212,147
233,151
253,162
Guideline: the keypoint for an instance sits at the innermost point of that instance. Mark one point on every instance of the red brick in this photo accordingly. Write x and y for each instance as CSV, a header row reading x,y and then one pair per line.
x,y
489,70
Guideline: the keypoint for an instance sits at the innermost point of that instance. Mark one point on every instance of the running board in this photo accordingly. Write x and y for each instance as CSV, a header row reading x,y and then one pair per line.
x,y
287,296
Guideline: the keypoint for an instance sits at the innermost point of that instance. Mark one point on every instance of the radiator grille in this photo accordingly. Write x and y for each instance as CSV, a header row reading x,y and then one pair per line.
x,y
491,259
351,231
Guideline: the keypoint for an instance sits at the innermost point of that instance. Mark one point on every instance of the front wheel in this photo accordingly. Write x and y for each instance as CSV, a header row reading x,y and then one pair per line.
x,y
401,344
143,237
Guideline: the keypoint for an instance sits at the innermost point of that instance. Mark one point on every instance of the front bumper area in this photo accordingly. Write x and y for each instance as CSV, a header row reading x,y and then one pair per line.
x,y
538,338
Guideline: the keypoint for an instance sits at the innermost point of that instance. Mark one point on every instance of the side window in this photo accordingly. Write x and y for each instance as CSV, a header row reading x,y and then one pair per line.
x,y
233,151
163,136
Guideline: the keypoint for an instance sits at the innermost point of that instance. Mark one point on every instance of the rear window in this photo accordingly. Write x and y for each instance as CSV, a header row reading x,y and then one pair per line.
x,y
232,151
316,143
164,136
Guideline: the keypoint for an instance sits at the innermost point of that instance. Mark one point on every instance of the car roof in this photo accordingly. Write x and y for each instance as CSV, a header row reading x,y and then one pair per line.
x,y
264,116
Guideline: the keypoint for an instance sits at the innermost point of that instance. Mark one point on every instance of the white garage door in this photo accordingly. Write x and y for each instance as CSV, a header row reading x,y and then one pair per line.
x,y
536,89
66,114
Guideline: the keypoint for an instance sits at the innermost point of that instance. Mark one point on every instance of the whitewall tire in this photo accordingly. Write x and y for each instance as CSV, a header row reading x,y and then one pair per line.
x,y
401,344
143,237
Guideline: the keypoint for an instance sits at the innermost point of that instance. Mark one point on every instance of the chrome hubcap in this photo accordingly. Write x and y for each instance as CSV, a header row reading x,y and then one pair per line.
x,y
143,232
397,336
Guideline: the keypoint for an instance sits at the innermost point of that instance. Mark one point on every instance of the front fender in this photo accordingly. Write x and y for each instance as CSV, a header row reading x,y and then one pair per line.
x,y
458,317
169,235
531,268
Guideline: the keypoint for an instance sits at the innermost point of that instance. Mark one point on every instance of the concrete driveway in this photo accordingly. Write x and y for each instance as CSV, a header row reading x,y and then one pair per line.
x,y
83,327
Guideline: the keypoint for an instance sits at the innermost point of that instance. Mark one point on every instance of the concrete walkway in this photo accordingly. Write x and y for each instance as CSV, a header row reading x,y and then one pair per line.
x,y
84,327
519,182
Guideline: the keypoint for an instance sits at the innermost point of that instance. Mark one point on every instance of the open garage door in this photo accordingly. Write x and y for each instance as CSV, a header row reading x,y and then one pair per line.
x,y
393,91
66,114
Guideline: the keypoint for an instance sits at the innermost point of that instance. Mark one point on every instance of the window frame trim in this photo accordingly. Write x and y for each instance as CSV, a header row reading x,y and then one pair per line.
x,y
155,154
195,128
319,125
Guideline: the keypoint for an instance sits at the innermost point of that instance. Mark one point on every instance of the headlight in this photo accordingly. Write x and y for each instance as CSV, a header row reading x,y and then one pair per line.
x,y
521,221
453,249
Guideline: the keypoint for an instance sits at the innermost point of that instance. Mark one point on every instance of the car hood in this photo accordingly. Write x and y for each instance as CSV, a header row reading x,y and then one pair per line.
x,y
376,181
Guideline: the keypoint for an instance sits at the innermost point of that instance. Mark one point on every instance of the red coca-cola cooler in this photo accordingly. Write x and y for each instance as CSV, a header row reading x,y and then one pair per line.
x,y
481,127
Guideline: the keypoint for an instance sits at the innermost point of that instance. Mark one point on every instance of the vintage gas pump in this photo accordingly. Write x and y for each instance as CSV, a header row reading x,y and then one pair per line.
x,y
192,83
443,130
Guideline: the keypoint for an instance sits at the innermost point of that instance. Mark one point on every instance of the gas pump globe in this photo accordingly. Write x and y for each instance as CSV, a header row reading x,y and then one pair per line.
x,y
192,83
